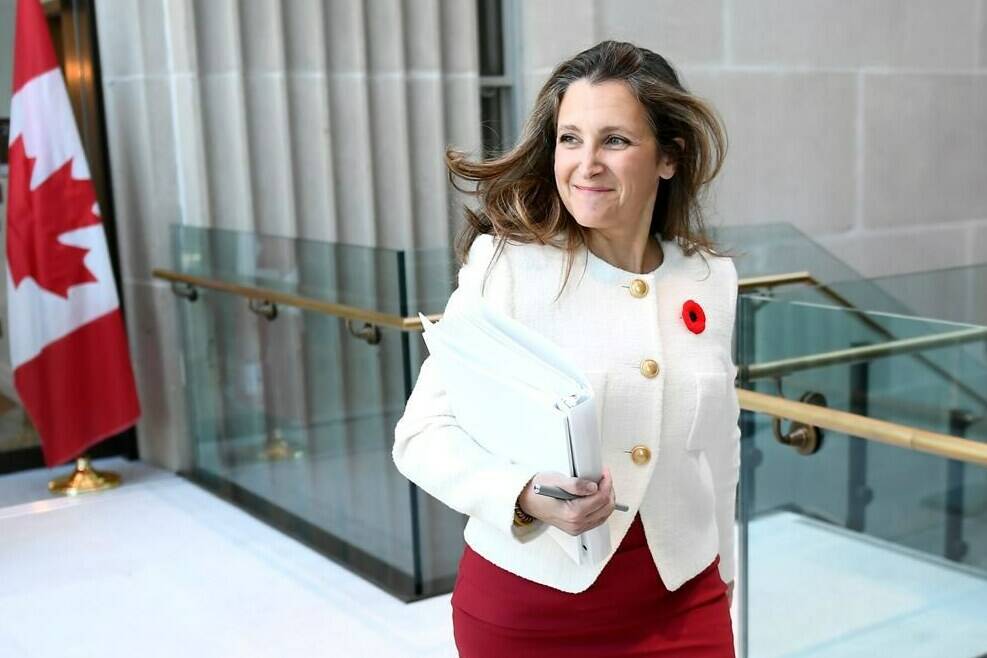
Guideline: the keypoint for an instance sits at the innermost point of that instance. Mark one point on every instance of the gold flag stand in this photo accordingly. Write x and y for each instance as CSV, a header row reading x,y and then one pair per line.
x,y
85,479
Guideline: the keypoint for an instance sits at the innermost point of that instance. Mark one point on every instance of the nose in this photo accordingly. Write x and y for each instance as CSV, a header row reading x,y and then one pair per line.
x,y
590,163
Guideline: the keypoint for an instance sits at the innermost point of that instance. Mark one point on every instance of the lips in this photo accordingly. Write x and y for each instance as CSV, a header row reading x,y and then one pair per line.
x,y
581,188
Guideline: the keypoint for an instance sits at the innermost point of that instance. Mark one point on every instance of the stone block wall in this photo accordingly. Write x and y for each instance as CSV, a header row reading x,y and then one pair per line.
x,y
863,124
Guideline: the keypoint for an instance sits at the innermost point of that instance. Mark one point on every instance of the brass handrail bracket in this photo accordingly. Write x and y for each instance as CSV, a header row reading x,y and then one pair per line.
x,y
369,333
804,438
263,307
185,290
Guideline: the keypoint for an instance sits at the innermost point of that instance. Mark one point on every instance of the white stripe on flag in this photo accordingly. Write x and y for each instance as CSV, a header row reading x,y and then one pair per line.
x,y
37,317
41,112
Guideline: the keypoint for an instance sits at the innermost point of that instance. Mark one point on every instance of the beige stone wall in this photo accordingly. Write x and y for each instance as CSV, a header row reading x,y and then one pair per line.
x,y
863,124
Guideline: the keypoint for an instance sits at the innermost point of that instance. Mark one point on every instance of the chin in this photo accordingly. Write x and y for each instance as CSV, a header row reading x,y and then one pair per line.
x,y
590,221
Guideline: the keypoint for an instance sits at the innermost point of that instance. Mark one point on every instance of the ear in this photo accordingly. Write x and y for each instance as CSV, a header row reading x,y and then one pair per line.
x,y
666,166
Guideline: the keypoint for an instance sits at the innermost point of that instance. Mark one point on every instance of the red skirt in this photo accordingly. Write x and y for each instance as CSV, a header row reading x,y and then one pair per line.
x,y
626,612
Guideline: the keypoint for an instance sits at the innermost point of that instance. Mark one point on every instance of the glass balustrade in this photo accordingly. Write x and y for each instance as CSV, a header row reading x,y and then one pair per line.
x,y
862,548
769,249
292,415
956,294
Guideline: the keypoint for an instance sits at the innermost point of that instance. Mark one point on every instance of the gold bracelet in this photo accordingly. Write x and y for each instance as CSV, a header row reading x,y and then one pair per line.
x,y
522,518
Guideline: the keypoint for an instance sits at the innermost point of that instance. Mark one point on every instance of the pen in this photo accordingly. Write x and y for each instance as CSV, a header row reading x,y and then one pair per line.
x,y
562,494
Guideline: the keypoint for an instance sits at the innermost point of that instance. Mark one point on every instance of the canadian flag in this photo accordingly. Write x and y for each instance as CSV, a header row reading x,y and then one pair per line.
x,y
68,347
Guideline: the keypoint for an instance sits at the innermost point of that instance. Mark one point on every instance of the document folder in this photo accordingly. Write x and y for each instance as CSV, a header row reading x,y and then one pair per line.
x,y
517,394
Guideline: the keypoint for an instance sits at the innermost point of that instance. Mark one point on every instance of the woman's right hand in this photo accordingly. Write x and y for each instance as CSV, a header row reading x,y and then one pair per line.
x,y
571,516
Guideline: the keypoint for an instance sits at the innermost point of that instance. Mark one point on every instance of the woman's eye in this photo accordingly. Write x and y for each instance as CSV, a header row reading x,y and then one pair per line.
x,y
614,140
567,139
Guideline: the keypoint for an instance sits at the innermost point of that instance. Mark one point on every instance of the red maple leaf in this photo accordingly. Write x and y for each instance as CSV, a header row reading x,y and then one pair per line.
x,y
36,219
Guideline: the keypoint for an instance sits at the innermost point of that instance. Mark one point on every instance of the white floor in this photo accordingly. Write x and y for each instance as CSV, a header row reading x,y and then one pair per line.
x,y
160,567
822,592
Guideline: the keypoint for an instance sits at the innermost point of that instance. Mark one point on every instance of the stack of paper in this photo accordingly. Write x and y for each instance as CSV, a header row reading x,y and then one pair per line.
x,y
518,395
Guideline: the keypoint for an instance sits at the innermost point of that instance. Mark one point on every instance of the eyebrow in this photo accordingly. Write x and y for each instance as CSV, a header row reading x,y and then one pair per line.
x,y
604,129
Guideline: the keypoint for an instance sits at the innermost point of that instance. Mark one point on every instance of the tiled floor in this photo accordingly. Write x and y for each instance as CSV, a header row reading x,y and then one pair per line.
x,y
160,567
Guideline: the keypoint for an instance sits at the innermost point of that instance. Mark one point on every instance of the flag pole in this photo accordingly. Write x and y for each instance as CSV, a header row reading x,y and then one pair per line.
x,y
84,479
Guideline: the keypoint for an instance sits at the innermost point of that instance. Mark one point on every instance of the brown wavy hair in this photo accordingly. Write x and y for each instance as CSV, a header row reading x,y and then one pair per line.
x,y
518,198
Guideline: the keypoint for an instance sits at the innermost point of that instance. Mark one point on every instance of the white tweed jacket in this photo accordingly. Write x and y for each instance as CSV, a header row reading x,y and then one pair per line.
x,y
686,415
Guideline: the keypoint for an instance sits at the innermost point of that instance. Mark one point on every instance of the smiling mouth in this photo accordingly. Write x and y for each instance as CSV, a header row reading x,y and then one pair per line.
x,y
592,189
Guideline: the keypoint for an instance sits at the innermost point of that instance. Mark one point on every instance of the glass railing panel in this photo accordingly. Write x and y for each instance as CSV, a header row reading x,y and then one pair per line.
x,y
797,342
763,249
304,378
848,551
366,277
915,293
923,293
293,417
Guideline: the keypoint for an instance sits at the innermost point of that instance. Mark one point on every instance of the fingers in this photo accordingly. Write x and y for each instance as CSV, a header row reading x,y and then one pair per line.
x,y
603,497
592,509
599,499
579,524
577,486
580,487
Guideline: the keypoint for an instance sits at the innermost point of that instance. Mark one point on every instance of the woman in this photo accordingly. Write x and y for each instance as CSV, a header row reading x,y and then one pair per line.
x,y
606,177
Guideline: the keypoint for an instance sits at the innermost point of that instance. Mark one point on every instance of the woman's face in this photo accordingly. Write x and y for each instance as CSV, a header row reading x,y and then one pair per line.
x,y
607,162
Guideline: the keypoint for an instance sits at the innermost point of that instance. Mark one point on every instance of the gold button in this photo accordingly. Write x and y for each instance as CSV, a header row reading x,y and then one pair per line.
x,y
639,288
640,455
649,368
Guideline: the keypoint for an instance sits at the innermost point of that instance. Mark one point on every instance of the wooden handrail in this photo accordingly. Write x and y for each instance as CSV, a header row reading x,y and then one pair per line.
x,y
390,320
872,429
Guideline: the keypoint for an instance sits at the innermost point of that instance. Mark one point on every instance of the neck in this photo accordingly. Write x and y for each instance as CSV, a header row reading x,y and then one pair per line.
x,y
639,253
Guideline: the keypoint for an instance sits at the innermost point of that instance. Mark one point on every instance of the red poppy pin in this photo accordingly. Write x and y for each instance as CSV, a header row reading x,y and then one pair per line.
x,y
694,317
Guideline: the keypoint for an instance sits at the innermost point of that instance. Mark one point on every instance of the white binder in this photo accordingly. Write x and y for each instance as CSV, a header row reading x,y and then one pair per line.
x,y
519,396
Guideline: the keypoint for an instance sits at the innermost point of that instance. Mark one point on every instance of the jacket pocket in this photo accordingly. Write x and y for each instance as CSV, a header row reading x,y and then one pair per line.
x,y
715,410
